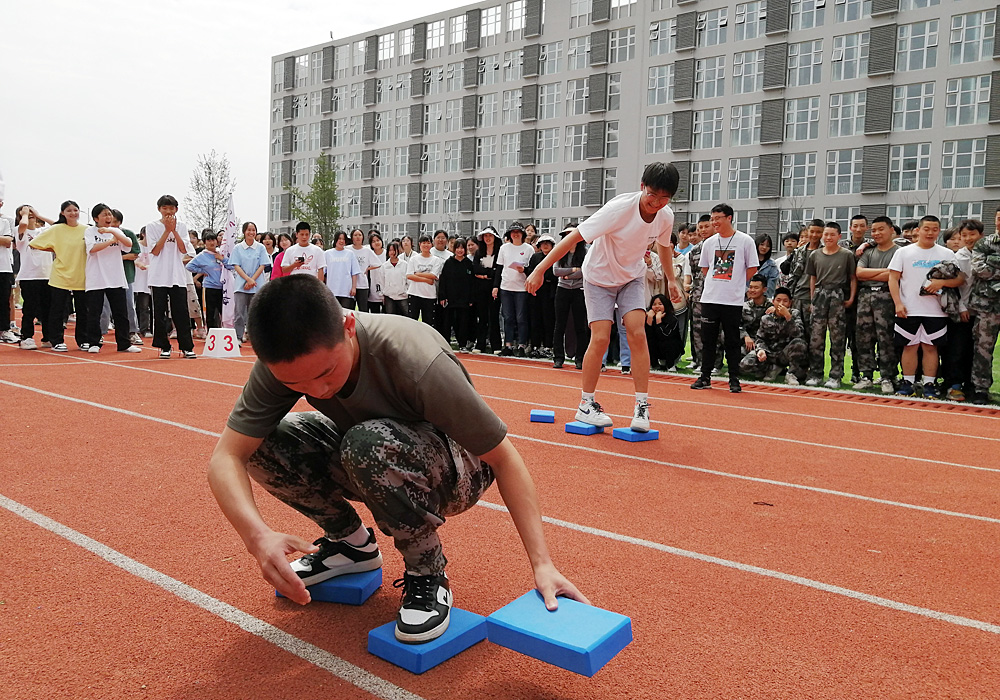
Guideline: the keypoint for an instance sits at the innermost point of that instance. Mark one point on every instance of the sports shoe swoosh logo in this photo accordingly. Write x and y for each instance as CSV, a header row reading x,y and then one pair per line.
x,y
585,412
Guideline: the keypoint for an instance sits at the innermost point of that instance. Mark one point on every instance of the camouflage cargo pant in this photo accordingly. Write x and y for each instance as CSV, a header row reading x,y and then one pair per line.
x,y
803,306
792,356
828,313
408,474
876,320
984,338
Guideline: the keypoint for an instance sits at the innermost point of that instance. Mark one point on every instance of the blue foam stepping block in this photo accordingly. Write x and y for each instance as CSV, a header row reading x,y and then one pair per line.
x,y
539,416
635,436
581,428
464,630
352,589
576,637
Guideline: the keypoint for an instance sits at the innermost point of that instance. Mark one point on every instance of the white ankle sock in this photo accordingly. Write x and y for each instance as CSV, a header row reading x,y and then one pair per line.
x,y
639,396
586,397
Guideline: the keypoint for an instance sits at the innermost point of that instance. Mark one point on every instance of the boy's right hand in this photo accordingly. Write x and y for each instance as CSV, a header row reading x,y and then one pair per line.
x,y
534,281
270,551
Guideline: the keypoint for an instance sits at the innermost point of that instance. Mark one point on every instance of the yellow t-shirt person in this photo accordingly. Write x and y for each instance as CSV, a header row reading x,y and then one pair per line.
x,y
69,267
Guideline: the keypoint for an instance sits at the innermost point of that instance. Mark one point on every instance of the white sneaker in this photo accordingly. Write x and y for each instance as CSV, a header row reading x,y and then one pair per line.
x,y
131,348
28,344
640,417
9,336
60,347
94,349
887,387
590,412
812,382
791,379
864,383
832,383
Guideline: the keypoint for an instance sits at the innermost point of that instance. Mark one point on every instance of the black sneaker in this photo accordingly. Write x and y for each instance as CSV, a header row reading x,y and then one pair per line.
x,y
930,390
506,351
702,383
980,398
426,608
626,369
904,388
734,385
520,351
336,558
557,364
579,364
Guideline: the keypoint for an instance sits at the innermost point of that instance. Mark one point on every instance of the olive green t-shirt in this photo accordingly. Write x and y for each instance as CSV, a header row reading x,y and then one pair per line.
x,y
831,270
407,373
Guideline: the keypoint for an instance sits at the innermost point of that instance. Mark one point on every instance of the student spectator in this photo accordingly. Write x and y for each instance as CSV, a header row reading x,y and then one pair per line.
x,y
857,237
33,278
663,337
375,281
684,242
728,259
342,270
789,242
270,243
484,267
195,240
754,308
105,278
209,264
440,242
766,267
304,257
423,272
957,360
248,260
812,242
64,239
394,281
569,299
168,245
406,250
921,323
366,261
830,269
317,240
951,239
703,231
984,301
509,286
876,311
856,242
779,344
140,288
908,233
455,292
531,235
683,274
541,305
284,243
7,278
128,261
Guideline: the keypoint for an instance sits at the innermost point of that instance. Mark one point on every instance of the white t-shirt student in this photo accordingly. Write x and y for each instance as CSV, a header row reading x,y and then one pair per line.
x,y
167,269
913,263
7,252
619,239
342,271
727,260
312,256
512,260
104,268
418,264
366,258
35,264
394,282
376,294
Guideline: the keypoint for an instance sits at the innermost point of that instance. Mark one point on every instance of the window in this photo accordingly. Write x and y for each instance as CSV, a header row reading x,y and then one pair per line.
x,y
578,54
574,185
275,175
275,207
579,13
706,180
405,47
383,163
456,34
487,110
909,167
508,193
972,36
399,200
750,19
455,75
954,213
712,27
917,4
339,98
433,83
547,191
357,95
452,156
550,101
548,145
610,184
453,115
710,77
850,56
451,190
352,202
744,125
489,70
302,70
435,38
279,76
802,119
314,129
622,45
622,9
847,113
485,192
661,5
354,131
912,106
576,97
807,14
576,143
383,125
489,28
430,159
968,101
550,58
843,171
430,198
743,176
386,50
708,128
614,91
850,10
316,68
297,106
340,132
403,122
341,61
353,167
513,62
611,139
659,129
380,201
510,150
300,137
805,63
402,161
277,111
511,106
745,221
358,49
660,90
748,72
315,103
663,37
486,152
916,46
842,215
515,20
963,164
798,175
905,212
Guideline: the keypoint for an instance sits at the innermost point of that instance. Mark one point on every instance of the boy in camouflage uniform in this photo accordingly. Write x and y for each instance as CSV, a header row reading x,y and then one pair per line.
x,y
830,270
799,277
702,231
778,344
398,426
876,310
854,242
984,300
754,309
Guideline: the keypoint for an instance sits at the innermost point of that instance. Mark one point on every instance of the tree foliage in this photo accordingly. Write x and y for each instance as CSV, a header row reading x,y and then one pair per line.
x,y
208,192
319,205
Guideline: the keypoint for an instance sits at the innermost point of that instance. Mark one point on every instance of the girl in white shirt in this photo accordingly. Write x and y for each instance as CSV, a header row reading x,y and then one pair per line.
x,y
376,293
106,278
33,277
394,283
509,285
423,272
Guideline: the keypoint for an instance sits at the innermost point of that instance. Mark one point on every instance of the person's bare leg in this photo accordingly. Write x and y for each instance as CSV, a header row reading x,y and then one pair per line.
x,y
908,360
930,362
635,328
600,337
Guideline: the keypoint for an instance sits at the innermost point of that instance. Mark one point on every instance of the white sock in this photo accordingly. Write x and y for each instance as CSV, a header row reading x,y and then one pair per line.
x,y
639,396
358,538
585,397
909,378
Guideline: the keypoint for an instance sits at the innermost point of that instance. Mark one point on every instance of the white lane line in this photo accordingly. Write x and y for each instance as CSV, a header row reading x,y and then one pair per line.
x,y
355,675
770,573
748,568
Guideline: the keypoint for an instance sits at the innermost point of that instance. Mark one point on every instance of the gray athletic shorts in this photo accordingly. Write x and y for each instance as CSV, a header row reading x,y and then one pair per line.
x,y
601,300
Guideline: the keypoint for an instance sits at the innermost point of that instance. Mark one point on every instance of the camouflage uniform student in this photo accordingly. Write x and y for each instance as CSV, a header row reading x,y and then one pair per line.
x,y
830,269
702,231
398,426
984,300
754,309
798,276
778,343
957,360
856,243
876,311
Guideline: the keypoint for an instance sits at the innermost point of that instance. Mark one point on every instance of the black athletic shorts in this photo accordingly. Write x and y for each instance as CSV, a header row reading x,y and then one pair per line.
x,y
914,330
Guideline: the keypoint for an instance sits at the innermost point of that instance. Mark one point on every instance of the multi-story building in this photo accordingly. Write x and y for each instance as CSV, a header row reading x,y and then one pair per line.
x,y
541,111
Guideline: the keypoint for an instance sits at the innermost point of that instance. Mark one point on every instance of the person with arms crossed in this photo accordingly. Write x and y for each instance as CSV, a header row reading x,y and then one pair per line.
x,y
876,310
830,269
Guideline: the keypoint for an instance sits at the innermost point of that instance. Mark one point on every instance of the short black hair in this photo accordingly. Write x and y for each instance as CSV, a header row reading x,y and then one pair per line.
x,y
211,236
931,219
793,236
292,316
759,278
832,224
338,235
98,210
783,290
816,222
972,225
166,201
302,226
724,209
910,225
704,217
662,177
424,237
118,216
883,220
859,216
440,231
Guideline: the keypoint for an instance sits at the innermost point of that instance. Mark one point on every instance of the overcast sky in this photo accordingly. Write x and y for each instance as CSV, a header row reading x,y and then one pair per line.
x,y
112,100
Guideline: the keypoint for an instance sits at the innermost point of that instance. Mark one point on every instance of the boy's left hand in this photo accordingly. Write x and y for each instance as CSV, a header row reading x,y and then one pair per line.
x,y
550,583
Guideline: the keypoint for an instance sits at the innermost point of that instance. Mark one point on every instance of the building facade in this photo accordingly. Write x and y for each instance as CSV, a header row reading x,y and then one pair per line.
x,y
540,111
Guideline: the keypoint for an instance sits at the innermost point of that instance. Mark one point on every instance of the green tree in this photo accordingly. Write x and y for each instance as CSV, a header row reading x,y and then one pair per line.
x,y
319,206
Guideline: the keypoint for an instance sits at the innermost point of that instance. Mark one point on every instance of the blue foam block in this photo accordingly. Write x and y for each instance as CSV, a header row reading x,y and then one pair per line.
x,y
464,630
539,416
581,428
634,436
577,637
352,589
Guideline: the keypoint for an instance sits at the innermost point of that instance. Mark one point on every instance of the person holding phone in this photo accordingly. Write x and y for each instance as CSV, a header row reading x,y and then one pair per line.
x,y
304,257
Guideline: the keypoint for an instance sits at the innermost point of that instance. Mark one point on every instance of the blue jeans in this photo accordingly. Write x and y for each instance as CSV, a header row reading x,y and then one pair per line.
x,y
514,307
624,354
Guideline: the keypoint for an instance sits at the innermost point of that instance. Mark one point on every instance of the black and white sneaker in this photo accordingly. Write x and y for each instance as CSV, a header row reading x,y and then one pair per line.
x,y
336,558
426,609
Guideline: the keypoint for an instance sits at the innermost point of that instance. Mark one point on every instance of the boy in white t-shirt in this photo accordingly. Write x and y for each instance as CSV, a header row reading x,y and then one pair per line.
x,y
169,250
921,323
106,278
614,272
304,257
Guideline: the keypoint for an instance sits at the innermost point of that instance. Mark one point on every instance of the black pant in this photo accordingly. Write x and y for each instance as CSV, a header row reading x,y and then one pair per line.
x,y
6,287
728,317
423,309
57,310
37,305
347,303
361,296
956,356
568,300
664,342
144,312
213,307
177,296
488,321
374,307
460,319
542,316
397,307
119,315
